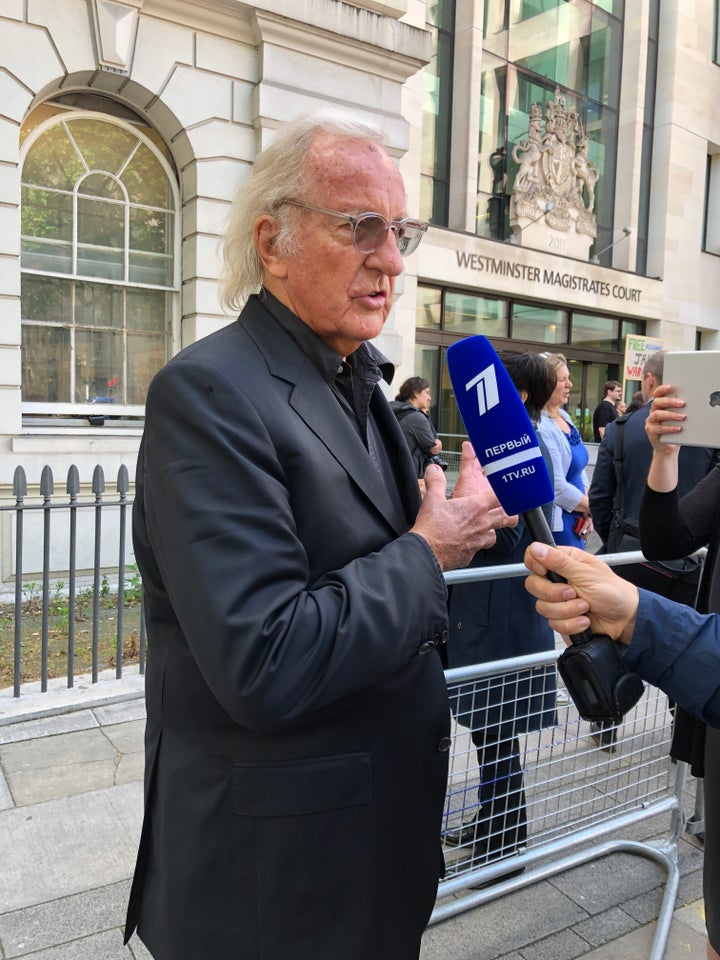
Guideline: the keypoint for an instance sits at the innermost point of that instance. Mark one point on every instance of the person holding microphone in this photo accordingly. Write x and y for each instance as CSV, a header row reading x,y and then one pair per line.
x,y
670,645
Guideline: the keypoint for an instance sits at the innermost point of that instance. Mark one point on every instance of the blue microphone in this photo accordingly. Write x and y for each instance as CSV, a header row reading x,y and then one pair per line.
x,y
498,426
505,443
502,434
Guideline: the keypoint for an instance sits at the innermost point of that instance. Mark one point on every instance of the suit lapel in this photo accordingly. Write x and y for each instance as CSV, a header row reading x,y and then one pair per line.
x,y
315,403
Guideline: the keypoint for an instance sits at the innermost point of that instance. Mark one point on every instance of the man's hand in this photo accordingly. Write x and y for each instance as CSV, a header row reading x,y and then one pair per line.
x,y
457,528
592,597
471,479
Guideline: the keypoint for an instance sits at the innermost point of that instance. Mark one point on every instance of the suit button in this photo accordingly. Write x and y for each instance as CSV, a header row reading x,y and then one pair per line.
x,y
444,744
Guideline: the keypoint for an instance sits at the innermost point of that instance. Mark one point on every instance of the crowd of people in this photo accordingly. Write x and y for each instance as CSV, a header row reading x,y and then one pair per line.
x,y
292,528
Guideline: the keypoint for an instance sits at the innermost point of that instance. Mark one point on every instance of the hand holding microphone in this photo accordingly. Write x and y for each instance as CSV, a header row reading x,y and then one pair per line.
x,y
591,595
601,686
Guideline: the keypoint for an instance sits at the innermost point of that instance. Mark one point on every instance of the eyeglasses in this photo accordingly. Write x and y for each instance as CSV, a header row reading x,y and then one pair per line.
x,y
369,230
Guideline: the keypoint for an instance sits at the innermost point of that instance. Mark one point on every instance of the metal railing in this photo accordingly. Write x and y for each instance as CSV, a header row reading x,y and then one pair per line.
x,y
59,538
562,794
566,799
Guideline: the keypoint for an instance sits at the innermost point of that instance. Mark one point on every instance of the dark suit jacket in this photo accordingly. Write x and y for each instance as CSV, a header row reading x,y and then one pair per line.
x,y
693,464
298,725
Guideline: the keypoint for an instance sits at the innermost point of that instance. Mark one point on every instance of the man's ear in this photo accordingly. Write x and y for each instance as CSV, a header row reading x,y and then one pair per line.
x,y
265,233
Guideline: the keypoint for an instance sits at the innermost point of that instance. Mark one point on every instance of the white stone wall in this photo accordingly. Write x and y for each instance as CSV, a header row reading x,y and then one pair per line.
x,y
215,79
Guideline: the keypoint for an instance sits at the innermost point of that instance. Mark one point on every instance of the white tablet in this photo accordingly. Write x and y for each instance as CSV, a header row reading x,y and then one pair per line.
x,y
696,374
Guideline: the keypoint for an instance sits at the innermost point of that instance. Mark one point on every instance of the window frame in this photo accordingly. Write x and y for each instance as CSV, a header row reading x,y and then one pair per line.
x,y
35,408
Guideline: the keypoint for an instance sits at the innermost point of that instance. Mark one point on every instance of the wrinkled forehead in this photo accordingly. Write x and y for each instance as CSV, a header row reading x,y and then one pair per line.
x,y
344,163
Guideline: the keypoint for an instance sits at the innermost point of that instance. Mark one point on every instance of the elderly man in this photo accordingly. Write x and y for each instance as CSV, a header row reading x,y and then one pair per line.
x,y
298,728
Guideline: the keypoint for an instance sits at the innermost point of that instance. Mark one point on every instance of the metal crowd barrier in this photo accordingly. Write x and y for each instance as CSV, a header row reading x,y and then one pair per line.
x,y
553,795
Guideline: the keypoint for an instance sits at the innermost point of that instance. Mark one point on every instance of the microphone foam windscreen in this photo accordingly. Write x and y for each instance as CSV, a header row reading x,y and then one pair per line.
x,y
498,426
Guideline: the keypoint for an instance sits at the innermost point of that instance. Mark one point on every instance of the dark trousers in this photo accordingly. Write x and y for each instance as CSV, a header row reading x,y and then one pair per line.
x,y
502,816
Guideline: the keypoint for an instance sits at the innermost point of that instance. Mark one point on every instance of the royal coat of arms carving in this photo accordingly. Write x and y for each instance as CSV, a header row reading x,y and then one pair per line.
x,y
554,186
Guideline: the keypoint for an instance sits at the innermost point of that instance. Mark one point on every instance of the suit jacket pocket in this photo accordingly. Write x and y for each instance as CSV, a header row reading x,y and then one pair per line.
x,y
293,787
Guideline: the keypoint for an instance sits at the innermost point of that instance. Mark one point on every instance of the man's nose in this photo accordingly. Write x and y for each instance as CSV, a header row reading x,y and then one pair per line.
x,y
388,256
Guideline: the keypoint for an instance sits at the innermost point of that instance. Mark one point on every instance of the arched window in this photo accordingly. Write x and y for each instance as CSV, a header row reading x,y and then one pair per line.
x,y
99,272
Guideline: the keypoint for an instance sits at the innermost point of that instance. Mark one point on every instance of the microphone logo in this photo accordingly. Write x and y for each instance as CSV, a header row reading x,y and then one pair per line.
x,y
486,389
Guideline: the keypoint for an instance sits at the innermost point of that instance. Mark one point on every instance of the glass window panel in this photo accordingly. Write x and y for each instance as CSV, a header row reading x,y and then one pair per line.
x,y
495,27
451,425
602,130
146,353
580,416
47,256
147,310
633,328
531,8
46,213
599,333
98,366
101,223
45,362
468,314
493,199
604,60
93,262
148,269
427,365
435,142
541,324
46,298
493,216
98,305
150,230
428,314
493,89
440,14
615,7
145,179
101,185
105,330
427,193
103,146
53,161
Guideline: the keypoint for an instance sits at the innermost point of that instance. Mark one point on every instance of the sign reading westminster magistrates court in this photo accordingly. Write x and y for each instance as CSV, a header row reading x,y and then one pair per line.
x,y
499,267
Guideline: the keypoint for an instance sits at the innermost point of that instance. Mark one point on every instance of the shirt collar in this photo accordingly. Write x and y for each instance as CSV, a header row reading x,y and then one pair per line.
x,y
366,359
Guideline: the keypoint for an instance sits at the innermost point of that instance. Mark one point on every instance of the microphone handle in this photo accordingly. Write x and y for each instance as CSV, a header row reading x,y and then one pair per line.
x,y
538,528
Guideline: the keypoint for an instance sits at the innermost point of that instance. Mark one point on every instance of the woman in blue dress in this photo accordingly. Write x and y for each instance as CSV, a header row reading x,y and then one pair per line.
x,y
571,522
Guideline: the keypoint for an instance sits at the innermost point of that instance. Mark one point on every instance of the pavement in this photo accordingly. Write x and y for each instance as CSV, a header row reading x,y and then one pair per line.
x,y
71,765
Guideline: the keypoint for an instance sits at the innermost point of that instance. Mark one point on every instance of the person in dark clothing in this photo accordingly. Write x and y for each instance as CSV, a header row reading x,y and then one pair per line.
x,y
411,406
606,411
694,463
671,526
493,619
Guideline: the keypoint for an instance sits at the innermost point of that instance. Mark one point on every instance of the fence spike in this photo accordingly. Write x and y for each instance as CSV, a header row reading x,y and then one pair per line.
x,y
123,480
98,481
73,482
47,484
19,484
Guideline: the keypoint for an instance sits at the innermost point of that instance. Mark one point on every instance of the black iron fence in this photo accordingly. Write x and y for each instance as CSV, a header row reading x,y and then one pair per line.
x,y
69,589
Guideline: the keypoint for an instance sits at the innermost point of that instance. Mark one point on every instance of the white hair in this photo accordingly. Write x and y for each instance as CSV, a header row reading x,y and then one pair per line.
x,y
279,172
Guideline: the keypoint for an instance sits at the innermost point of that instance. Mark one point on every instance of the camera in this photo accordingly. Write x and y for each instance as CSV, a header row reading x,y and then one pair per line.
x,y
434,458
